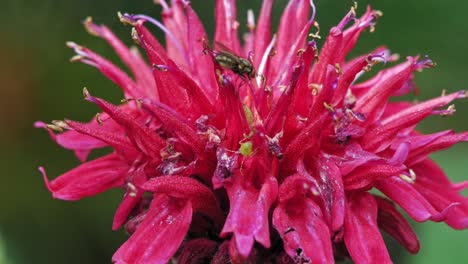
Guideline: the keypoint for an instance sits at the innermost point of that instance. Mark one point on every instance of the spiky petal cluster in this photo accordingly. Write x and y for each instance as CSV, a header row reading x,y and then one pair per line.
x,y
216,166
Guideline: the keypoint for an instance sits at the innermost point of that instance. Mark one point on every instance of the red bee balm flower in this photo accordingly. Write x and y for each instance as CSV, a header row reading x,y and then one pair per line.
x,y
264,152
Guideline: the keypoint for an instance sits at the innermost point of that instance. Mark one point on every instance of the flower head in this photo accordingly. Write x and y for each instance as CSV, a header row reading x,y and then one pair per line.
x,y
260,152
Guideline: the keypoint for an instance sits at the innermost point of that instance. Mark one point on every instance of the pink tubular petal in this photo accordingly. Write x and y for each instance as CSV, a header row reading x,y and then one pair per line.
x,y
375,139
160,234
429,170
370,173
118,141
361,233
175,21
290,33
306,139
276,117
248,213
125,208
262,32
202,65
351,35
440,143
152,47
332,192
108,69
233,112
305,235
453,206
372,101
175,88
302,98
201,197
135,178
88,179
285,56
392,222
226,25
350,71
329,55
142,72
176,124
81,144
407,197
141,136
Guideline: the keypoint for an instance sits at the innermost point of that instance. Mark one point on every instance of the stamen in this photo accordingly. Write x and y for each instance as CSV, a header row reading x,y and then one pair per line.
x,y
135,36
98,119
300,52
338,68
316,34
86,93
54,128
133,190
263,62
160,67
91,27
406,179
425,63
250,20
411,178
330,108
447,112
315,88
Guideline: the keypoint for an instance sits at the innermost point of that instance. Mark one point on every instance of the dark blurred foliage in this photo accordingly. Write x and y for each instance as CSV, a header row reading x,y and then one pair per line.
x,y
38,83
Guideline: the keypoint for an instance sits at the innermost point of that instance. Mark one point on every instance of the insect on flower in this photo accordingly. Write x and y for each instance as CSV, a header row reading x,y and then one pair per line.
x,y
226,58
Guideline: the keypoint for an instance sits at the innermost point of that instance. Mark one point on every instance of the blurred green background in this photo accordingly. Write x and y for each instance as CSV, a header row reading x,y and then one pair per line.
x,y
38,83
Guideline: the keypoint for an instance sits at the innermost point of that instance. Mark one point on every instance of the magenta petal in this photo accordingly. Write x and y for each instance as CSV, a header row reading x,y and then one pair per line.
x,y
392,222
233,113
145,83
291,35
332,192
248,214
406,196
81,144
263,31
88,179
160,234
106,134
141,136
124,209
438,144
108,69
202,65
372,101
305,235
376,137
227,25
370,173
136,176
201,197
361,232
176,124
453,206
328,55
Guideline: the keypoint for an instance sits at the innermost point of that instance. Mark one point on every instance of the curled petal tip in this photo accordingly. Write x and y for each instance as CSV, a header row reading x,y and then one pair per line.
x,y
443,214
127,19
44,177
90,27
